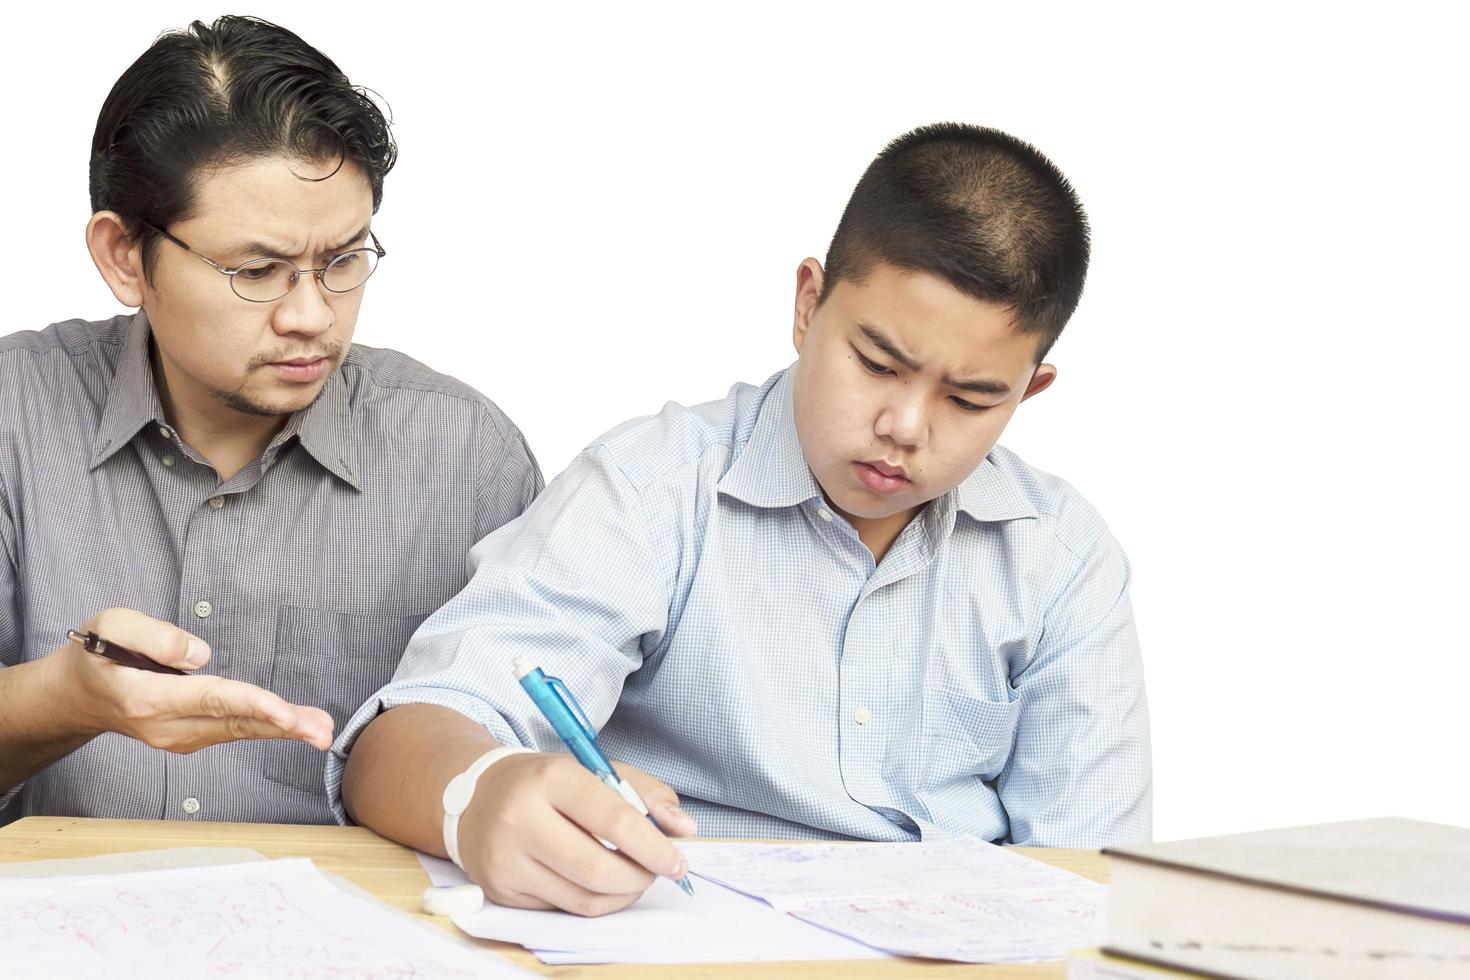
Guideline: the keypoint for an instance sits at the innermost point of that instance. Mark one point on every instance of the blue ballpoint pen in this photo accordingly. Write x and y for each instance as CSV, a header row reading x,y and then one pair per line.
x,y
557,705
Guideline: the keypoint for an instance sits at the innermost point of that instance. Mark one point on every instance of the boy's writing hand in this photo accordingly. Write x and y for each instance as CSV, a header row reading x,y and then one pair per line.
x,y
531,836
179,714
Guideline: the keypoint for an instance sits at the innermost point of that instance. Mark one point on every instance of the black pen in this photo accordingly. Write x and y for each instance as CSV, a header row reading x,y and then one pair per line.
x,y
108,650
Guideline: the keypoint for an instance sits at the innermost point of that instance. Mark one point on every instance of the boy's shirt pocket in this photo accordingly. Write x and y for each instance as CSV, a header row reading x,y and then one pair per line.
x,y
966,737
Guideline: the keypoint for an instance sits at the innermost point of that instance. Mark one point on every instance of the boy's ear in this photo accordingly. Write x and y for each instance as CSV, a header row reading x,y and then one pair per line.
x,y
116,256
1041,380
809,278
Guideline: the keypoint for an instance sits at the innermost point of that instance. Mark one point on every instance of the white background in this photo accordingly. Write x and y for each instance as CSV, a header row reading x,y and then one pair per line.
x,y
599,209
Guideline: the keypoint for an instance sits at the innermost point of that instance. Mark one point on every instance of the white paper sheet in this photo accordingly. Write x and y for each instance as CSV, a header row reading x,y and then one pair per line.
x,y
267,919
960,899
717,925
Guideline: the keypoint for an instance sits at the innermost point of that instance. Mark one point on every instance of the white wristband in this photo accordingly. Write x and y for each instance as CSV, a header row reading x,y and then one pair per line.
x,y
461,790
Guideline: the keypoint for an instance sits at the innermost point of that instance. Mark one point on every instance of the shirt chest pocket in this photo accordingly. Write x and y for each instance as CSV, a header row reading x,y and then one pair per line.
x,y
332,661
966,737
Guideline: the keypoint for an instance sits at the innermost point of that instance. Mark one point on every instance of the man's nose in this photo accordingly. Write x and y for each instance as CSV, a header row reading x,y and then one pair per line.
x,y
304,310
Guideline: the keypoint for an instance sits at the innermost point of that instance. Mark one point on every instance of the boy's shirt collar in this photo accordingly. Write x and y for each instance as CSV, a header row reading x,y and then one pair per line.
x,y
772,472
992,494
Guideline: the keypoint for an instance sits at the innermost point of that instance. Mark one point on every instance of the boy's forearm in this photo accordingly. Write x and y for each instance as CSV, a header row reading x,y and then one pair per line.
x,y
34,729
398,767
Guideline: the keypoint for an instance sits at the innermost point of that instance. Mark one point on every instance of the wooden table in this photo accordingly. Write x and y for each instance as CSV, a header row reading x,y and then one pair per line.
x,y
392,873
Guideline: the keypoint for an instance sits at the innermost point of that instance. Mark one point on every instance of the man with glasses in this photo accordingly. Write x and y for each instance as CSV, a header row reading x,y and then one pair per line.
x,y
221,489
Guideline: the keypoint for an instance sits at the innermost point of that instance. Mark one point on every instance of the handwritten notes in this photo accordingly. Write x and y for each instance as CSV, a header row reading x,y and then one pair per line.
x,y
267,919
959,899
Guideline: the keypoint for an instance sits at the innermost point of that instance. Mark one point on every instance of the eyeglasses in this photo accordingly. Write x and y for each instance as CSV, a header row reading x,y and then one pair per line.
x,y
267,280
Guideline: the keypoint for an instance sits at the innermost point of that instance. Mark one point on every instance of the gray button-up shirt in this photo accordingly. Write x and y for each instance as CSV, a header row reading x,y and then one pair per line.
x,y
306,572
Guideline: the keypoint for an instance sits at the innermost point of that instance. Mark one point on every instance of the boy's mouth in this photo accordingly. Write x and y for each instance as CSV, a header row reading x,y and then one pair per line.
x,y
881,477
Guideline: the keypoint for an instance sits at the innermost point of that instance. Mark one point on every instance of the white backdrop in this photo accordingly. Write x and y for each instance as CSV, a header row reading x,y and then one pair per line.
x,y
602,208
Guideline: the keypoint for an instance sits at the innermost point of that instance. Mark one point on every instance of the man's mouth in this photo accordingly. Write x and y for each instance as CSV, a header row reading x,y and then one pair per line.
x,y
302,368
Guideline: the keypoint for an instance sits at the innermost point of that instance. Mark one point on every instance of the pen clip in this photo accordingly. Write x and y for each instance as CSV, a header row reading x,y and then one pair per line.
x,y
565,697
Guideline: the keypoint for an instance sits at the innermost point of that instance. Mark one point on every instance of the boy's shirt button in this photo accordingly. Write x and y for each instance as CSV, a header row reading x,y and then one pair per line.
x,y
861,716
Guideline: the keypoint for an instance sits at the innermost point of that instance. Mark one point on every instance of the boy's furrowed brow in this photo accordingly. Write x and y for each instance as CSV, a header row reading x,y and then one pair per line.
x,y
983,386
887,346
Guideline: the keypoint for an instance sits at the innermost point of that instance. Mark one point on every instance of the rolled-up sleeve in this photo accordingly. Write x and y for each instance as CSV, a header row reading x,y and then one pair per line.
x,y
1080,774
573,584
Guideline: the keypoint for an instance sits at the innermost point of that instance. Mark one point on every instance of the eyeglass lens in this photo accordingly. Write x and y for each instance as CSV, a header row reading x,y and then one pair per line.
x,y
264,280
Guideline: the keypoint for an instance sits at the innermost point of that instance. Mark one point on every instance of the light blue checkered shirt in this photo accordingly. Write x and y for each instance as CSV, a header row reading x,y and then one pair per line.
x,y
727,632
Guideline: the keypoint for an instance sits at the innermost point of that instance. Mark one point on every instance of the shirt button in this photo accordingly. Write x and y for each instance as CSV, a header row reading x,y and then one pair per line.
x,y
861,716
824,513
168,461
216,502
202,609
166,432
189,806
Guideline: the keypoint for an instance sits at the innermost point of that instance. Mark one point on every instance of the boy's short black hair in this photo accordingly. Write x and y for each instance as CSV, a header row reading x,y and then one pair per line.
x,y
223,93
978,208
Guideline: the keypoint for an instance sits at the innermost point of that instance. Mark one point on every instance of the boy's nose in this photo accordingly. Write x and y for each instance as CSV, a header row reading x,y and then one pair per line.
x,y
905,422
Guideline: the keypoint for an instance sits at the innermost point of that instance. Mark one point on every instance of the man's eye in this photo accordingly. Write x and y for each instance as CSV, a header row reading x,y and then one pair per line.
x,y
872,365
965,406
255,273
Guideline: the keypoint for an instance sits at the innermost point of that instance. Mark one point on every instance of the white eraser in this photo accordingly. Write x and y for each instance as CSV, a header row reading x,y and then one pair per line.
x,y
452,900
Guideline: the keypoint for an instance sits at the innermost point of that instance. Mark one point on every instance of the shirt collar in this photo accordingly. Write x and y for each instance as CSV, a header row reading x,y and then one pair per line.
x,y
132,400
990,493
327,432
324,427
771,470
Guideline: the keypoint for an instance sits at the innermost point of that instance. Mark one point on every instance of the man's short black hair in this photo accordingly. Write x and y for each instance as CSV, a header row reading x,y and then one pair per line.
x,y
980,209
222,93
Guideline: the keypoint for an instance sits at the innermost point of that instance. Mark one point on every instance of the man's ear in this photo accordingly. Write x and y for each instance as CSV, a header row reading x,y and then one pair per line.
x,y
117,257
809,278
1041,380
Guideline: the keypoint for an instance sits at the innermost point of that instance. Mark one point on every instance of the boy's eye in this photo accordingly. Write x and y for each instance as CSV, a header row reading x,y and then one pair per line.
x,y
968,406
870,364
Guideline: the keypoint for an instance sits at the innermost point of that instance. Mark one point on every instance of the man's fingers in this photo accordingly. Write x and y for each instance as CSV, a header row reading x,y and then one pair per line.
x,y
235,728
218,697
153,638
215,710
313,726
237,699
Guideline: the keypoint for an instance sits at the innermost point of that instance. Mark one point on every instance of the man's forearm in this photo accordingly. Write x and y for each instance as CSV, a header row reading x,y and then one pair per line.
x,y
396,773
34,723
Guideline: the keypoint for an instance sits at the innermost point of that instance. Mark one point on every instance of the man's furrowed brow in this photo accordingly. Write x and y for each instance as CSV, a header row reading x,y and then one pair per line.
x,y
887,346
360,234
273,251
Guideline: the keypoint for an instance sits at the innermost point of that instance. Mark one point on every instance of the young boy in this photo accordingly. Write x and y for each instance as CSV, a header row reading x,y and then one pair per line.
x,y
826,607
